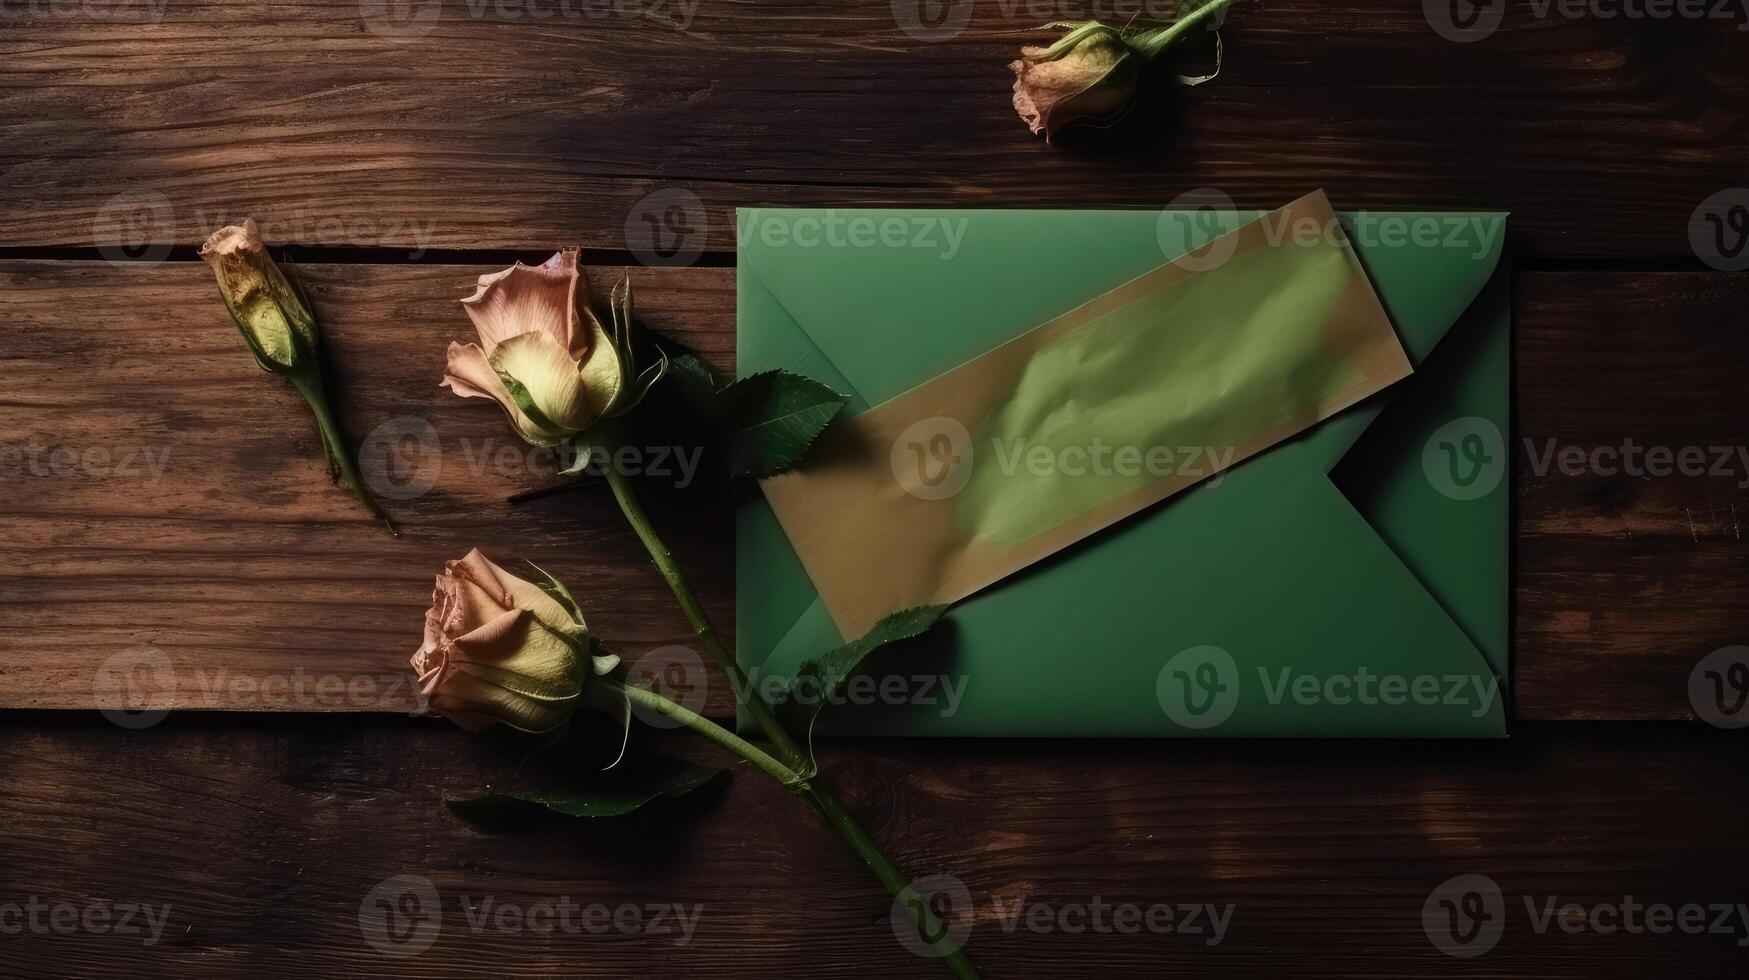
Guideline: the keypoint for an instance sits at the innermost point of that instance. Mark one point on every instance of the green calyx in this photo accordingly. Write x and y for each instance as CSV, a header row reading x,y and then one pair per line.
x,y
1147,39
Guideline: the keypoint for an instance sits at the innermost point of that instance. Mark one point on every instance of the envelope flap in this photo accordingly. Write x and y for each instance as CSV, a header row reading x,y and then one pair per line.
x,y
762,553
1427,269
781,343
1431,477
1008,645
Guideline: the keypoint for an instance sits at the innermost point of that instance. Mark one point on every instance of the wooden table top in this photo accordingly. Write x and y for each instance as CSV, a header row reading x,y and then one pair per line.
x,y
160,495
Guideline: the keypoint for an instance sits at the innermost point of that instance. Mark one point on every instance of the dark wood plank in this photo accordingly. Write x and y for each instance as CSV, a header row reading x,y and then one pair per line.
x,y
1627,578
500,129
1623,584
265,839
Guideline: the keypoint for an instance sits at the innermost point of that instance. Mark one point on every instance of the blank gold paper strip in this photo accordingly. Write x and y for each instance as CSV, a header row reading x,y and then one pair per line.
x,y
1089,418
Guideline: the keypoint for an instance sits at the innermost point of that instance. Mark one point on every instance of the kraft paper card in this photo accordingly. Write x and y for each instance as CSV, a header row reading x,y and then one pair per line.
x,y
1078,423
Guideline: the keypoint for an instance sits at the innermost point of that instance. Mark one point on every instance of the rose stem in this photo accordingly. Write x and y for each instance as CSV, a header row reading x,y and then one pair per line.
x,y
711,730
1164,38
338,454
627,496
820,797
813,790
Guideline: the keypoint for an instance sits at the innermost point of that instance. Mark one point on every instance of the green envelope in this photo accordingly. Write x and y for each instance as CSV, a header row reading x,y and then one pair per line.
x,y
1352,581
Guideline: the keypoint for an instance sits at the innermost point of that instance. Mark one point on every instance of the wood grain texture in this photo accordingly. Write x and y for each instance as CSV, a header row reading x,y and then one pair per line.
x,y
1629,569
137,121
1624,581
265,838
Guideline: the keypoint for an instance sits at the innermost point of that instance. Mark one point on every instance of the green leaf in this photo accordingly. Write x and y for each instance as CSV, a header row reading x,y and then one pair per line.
x,y
818,680
695,383
614,793
773,418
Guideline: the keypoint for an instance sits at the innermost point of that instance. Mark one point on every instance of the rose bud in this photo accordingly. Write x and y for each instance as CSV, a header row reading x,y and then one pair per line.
x,y
275,321
499,648
1090,75
544,356
1087,76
